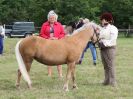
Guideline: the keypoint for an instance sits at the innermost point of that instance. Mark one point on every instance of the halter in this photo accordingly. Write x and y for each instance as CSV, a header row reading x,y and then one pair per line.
x,y
96,35
95,32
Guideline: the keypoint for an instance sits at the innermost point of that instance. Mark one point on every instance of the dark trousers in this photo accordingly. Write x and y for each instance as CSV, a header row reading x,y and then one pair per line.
x,y
108,57
1,45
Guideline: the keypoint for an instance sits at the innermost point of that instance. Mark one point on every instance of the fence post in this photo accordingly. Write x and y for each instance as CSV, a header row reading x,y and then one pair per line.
x,y
126,34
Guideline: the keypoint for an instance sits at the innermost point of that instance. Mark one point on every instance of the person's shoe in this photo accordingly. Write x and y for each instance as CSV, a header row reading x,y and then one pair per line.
x,y
80,62
60,76
105,83
94,64
49,75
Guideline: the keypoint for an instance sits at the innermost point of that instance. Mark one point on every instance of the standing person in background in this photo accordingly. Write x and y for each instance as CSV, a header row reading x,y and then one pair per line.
x,y
89,44
52,30
107,44
70,28
80,23
2,34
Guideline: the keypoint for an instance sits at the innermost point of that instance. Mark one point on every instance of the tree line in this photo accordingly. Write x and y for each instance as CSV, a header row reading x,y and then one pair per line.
x,y
67,10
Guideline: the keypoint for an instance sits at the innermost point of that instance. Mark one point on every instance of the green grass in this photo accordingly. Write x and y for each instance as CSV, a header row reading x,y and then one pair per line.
x,y
88,77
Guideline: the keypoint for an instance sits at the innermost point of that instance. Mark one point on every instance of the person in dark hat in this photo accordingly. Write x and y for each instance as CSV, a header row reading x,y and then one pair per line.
x,y
108,17
90,44
80,23
107,44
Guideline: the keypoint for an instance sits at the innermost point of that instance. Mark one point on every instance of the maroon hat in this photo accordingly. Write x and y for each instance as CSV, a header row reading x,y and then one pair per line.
x,y
107,16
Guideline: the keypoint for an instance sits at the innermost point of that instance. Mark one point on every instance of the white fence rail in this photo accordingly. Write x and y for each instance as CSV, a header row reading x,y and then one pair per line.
x,y
126,32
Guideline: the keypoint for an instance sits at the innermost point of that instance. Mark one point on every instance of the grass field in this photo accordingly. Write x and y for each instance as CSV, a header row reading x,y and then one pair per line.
x,y
88,77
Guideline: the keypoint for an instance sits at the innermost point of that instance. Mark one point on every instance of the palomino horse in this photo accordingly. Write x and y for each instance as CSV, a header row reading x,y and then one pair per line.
x,y
53,52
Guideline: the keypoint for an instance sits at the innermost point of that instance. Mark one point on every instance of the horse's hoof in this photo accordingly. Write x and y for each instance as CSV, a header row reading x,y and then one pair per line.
x,y
17,86
75,87
30,87
65,89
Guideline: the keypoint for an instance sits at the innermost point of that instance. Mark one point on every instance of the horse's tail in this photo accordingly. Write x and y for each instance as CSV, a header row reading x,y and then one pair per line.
x,y
21,63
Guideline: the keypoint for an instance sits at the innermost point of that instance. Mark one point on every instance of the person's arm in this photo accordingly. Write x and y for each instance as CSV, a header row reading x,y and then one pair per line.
x,y
62,33
2,31
43,32
113,37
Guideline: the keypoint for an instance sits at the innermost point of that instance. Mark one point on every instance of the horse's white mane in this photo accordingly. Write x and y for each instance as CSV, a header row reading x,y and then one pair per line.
x,y
87,24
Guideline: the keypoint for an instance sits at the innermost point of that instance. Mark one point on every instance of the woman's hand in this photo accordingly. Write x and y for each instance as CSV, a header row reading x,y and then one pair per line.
x,y
101,45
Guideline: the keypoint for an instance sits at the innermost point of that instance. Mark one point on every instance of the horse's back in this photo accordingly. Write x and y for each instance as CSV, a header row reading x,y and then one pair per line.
x,y
46,51
49,52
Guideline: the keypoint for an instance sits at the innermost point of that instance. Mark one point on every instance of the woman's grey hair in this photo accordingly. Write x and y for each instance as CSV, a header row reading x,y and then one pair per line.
x,y
52,13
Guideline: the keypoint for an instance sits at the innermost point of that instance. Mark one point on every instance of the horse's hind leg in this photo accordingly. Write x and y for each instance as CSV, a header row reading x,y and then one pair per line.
x,y
28,66
18,78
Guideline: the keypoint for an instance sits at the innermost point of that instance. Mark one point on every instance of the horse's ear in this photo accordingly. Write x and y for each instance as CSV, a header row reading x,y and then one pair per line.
x,y
86,21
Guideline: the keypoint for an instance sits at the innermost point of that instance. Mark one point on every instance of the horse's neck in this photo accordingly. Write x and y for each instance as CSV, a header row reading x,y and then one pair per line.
x,y
83,37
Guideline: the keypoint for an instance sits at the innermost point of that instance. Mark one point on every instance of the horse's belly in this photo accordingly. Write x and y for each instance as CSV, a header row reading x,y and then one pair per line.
x,y
52,61
55,62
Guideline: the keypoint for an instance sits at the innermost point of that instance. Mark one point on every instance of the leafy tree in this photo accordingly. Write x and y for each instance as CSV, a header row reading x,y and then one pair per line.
x,y
12,10
121,10
68,10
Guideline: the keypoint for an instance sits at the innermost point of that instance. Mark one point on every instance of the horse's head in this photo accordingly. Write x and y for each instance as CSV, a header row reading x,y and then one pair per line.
x,y
95,38
96,29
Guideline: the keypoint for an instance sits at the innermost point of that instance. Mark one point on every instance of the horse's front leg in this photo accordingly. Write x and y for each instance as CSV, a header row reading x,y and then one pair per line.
x,y
68,75
73,77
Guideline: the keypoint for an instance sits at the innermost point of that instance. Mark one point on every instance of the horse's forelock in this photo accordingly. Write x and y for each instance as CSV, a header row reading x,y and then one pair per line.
x,y
93,24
